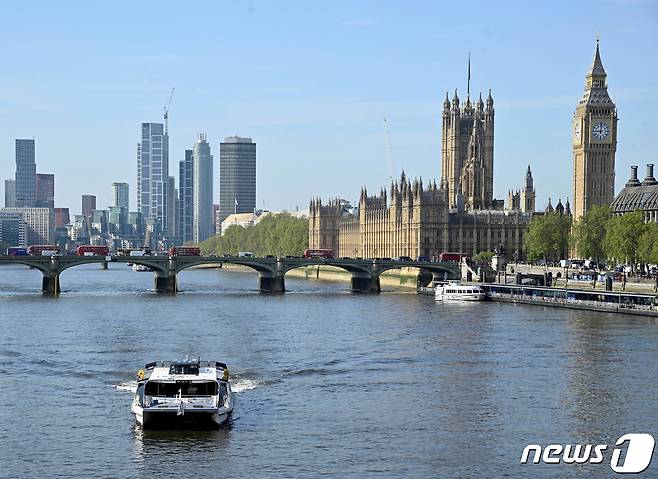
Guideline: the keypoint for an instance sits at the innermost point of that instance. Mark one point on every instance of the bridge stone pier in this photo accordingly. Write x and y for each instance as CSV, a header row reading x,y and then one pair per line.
x,y
365,283
272,271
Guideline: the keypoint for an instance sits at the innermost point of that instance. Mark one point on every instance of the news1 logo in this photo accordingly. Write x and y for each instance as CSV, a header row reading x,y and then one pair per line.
x,y
638,450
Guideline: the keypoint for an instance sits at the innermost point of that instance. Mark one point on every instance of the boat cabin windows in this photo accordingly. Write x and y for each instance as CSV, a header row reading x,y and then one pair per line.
x,y
182,388
183,368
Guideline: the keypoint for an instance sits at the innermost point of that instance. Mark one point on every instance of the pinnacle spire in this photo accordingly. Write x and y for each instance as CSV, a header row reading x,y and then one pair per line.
x,y
468,81
597,65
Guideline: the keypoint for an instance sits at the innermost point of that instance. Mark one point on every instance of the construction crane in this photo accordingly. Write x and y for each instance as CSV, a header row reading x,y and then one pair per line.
x,y
387,152
166,112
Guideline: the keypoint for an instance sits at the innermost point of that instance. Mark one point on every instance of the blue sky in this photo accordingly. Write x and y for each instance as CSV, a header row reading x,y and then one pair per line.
x,y
311,83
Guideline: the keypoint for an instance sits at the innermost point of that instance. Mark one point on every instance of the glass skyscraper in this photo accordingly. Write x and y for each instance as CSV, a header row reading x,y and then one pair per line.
x,y
153,175
202,190
26,173
121,195
45,190
10,193
185,194
237,176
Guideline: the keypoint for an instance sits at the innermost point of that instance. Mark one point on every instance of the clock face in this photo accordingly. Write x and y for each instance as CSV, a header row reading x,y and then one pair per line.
x,y
576,131
600,131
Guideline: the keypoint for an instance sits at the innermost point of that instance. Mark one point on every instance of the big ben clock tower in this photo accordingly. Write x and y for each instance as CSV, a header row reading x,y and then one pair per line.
x,y
594,135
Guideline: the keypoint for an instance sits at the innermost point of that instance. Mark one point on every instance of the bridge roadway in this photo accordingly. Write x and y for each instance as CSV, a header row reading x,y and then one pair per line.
x,y
365,272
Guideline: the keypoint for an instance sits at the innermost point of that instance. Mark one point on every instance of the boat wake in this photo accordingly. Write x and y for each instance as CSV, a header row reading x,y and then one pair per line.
x,y
239,385
130,386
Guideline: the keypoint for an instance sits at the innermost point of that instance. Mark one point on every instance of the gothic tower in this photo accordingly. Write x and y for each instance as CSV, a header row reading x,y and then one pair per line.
x,y
467,151
527,200
594,143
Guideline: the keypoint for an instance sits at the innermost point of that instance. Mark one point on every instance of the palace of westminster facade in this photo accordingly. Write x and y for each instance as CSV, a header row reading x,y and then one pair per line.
x,y
460,214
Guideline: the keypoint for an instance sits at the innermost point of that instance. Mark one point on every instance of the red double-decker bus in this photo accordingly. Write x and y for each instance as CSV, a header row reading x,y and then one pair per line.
x,y
319,253
88,250
184,251
456,257
38,249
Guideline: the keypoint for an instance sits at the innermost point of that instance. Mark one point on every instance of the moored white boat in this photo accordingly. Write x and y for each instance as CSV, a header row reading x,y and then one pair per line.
x,y
455,291
140,267
183,393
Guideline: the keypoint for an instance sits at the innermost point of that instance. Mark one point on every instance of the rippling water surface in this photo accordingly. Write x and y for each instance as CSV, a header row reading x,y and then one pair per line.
x,y
328,383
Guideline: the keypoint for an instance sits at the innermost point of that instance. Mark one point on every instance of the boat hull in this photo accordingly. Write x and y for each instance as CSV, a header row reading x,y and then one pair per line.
x,y
169,418
462,297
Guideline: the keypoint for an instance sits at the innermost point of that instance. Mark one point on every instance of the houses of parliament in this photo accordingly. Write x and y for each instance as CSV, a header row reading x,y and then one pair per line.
x,y
460,214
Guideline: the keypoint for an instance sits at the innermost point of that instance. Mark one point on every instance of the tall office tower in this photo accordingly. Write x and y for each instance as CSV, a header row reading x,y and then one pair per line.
x,y
26,173
12,228
10,193
153,175
62,217
88,205
38,224
172,212
45,191
237,176
202,190
99,223
594,142
121,195
186,197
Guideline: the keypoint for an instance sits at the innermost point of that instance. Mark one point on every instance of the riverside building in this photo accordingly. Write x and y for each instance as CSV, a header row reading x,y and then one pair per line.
x,y
237,176
419,219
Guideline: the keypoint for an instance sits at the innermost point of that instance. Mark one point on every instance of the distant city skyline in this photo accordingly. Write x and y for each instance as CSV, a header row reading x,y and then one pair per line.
x,y
319,104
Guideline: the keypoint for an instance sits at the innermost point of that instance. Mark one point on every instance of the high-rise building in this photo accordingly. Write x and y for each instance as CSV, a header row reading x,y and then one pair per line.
x,y
26,173
202,190
62,217
117,218
12,228
215,215
99,223
153,175
172,209
237,176
186,197
38,223
45,191
594,142
10,193
121,195
136,223
88,205
467,152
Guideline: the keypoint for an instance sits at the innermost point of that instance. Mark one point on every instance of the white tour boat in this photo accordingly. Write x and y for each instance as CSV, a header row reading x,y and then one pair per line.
x,y
175,393
140,267
455,291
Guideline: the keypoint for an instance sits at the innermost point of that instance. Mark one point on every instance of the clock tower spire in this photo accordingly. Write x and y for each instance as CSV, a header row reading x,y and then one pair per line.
x,y
594,138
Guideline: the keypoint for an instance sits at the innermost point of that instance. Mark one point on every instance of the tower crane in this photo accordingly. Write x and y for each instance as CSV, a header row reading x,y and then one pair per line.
x,y
166,112
387,152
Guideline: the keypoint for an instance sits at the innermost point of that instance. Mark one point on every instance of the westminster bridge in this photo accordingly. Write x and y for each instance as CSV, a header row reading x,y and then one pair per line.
x,y
365,272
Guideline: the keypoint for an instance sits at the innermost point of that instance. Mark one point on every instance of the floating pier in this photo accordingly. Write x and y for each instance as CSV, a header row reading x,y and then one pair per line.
x,y
607,301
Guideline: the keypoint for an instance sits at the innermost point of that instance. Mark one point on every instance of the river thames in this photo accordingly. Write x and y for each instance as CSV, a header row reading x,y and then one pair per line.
x,y
328,383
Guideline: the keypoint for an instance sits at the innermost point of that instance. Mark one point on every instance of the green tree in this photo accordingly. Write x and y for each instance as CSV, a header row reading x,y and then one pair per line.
x,y
280,234
622,237
484,256
589,232
548,237
648,244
